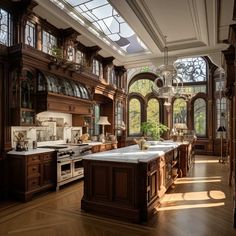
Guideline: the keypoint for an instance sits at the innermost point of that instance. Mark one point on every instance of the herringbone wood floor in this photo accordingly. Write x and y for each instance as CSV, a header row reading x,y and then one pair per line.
x,y
198,205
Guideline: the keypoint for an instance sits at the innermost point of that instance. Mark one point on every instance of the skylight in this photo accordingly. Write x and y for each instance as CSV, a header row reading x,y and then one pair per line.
x,y
105,22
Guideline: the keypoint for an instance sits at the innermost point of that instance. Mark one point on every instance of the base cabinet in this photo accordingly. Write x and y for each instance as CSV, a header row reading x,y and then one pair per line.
x,y
31,174
186,158
128,191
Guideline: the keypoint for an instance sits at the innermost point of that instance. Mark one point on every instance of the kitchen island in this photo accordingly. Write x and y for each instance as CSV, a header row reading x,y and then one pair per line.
x,y
127,183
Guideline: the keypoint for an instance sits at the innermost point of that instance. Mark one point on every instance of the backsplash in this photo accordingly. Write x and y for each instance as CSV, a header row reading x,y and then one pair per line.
x,y
52,128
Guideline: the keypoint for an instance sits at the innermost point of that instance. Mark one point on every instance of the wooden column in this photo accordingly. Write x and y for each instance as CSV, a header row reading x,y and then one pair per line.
x,y
231,88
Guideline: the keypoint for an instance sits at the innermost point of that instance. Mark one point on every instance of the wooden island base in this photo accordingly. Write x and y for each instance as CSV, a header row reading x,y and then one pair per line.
x,y
127,183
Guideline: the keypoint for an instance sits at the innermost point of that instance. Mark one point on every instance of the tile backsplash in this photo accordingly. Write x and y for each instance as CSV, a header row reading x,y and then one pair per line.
x,y
55,128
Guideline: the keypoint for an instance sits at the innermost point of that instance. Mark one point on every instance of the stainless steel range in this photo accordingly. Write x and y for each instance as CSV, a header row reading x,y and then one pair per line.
x,y
69,162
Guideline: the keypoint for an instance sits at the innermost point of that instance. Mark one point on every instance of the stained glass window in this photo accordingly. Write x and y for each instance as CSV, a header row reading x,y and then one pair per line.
x,y
221,109
191,69
103,20
5,28
30,34
49,41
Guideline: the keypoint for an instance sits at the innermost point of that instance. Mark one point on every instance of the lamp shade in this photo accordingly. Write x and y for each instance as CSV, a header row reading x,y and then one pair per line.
x,y
221,129
103,120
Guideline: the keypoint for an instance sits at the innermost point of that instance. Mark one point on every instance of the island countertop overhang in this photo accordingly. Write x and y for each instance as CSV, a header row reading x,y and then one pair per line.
x,y
132,154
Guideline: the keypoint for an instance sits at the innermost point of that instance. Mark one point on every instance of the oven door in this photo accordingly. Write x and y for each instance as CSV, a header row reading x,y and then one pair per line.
x,y
64,170
77,167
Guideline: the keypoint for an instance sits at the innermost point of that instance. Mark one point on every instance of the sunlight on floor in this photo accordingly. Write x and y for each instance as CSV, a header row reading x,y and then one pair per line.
x,y
193,178
206,161
197,181
204,205
193,196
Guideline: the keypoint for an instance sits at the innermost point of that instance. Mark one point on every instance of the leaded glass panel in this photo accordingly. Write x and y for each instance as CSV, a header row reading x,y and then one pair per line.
x,y
30,34
221,107
103,20
191,69
49,41
200,117
5,28
96,67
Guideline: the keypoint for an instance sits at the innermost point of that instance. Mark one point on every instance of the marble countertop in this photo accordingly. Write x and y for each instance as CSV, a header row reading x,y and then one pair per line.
x,y
31,151
132,154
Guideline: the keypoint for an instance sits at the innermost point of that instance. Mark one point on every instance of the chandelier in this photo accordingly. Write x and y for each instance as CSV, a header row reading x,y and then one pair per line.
x,y
167,84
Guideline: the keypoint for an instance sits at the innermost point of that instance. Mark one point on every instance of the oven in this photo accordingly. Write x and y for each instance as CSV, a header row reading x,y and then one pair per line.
x,y
77,167
70,162
64,169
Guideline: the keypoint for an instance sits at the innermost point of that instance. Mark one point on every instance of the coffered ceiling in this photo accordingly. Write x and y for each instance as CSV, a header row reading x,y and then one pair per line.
x,y
192,27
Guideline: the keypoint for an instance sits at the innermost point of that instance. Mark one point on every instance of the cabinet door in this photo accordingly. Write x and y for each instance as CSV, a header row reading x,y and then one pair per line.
x,y
48,169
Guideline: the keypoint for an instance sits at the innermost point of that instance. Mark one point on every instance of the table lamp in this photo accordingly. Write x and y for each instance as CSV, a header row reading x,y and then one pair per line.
x,y
103,120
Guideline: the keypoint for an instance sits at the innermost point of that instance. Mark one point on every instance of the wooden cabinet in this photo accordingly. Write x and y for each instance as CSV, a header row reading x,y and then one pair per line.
x,y
186,158
30,174
23,98
47,101
127,190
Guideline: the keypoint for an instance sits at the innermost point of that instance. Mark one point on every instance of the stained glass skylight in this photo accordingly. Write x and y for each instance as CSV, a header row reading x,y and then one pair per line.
x,y
105,22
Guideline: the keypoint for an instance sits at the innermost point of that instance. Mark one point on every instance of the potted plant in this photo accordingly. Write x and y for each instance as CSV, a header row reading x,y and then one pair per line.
x,y
57,54
153,129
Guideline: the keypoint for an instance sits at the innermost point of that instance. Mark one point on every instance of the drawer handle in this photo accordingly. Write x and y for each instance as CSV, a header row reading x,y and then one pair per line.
x,y
34,168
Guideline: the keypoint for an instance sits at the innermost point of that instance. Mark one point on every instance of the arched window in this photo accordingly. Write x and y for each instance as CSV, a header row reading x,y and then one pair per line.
x,y
5,28
134,116
200,117
153,110
179,111
142,86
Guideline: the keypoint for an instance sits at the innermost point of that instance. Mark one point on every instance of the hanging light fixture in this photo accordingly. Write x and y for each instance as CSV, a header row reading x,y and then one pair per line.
x,y
167,84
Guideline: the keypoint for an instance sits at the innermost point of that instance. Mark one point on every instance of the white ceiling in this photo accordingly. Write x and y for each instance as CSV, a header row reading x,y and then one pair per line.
x,y
192,27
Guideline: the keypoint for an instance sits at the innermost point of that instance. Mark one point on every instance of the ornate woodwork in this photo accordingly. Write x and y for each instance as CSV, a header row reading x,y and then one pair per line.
x,y
31,174
143,184
231,88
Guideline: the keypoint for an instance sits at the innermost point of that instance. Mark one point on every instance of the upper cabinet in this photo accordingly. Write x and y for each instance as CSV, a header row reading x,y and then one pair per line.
x,y
23,97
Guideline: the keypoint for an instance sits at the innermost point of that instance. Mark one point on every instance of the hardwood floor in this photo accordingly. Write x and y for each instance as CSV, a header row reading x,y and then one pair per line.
x,y
198,205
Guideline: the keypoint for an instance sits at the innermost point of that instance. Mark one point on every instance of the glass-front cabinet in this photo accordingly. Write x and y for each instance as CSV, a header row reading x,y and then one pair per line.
x,y
23,98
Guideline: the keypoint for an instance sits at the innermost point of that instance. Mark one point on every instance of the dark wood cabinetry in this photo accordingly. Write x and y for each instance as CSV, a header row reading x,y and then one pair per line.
x,y
30,174
127,190
186,158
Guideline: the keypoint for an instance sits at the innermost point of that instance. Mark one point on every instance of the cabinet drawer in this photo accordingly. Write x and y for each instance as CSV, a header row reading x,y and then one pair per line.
x,y
102,147
33,183
47,157
33,169
33,159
